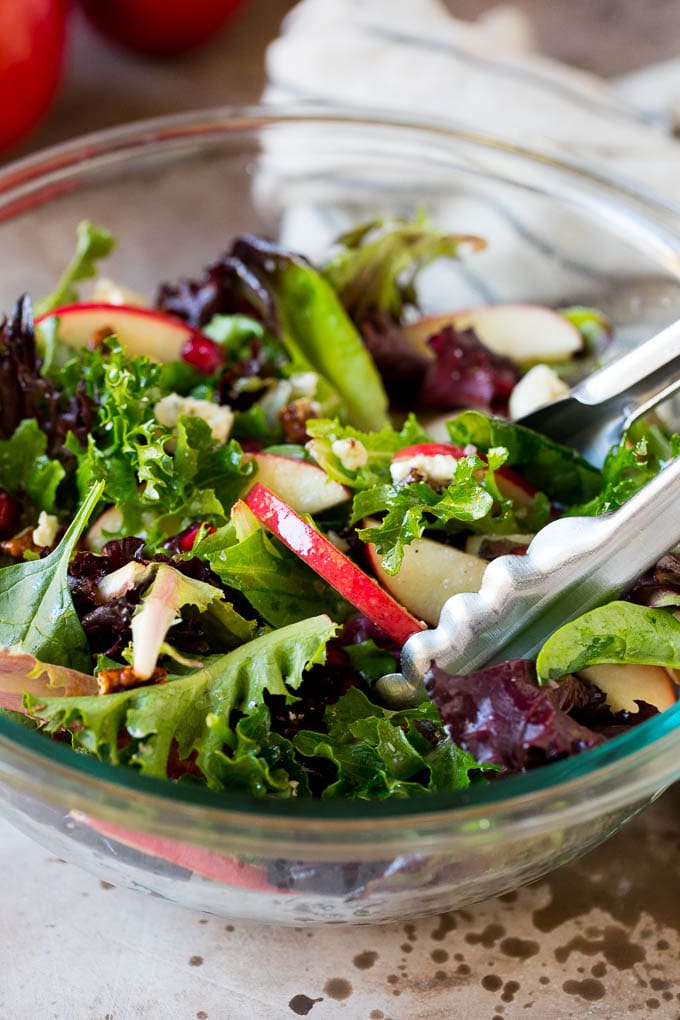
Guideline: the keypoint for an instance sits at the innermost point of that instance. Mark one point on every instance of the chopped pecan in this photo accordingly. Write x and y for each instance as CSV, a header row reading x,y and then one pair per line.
x,y
20,543
294,418
123,678
99,336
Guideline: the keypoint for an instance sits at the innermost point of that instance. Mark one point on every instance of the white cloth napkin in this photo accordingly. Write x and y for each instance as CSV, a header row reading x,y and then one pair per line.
x,y
413,56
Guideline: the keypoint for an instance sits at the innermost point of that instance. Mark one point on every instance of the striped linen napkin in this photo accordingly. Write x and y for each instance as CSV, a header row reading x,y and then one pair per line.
x,y
413,56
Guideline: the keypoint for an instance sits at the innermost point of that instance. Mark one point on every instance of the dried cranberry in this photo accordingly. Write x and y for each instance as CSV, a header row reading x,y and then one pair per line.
x,y
188,537
8,511
203,354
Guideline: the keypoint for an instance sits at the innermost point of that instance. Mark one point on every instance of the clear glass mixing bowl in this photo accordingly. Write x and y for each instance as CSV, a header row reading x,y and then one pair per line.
x,y
174,191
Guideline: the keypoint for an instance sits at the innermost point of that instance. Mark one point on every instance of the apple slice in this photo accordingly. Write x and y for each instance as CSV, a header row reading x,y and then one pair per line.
x,y
514,487
139,330
510,483
202,861
106,527
303,486
429,450
525,333
322,556
244,520
430,573
624,683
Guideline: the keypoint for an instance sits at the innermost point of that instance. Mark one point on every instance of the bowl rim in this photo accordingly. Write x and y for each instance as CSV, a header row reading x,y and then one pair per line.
x,y
557,787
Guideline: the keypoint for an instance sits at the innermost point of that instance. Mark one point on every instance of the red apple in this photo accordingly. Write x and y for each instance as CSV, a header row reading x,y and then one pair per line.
x,y
321,555
303,486
139,330
626,683
159,28
31,56
525,333
430,573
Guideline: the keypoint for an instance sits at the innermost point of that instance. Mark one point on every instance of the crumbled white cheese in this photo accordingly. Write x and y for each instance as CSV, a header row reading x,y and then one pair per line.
x,y
111,293
351,453
436,469
275,399
219,418
540,386
304,383
45,531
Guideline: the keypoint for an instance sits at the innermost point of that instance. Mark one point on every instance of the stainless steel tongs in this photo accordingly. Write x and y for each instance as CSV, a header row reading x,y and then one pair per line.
x,y
574,563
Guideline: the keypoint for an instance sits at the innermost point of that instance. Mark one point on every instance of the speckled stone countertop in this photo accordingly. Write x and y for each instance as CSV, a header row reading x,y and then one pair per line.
x,y
599,938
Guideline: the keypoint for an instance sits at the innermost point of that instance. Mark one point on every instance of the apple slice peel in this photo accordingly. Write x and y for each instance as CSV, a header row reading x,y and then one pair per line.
x,y
146,331
334,566
525,333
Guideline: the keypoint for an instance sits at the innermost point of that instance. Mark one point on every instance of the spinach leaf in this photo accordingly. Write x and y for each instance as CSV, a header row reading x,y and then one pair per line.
x,y
36,611
278,585
617,632
561,473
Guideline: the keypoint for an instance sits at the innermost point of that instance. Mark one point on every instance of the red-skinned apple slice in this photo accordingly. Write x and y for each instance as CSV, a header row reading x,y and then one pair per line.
x,y
430,573
526,333
626,683
139,330
430,450
514,487
321,555
303,486
209,863
510,483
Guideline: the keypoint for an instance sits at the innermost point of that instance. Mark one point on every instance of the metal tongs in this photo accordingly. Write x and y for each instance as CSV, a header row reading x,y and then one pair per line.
x,y
575,563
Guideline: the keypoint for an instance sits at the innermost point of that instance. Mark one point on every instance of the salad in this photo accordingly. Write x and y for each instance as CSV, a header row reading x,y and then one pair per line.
x,y
223,513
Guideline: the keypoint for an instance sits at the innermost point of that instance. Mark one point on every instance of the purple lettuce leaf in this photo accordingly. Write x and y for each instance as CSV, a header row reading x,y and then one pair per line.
x,y
108,624
401,367
660,585
466,374
25,393
503,718
227,286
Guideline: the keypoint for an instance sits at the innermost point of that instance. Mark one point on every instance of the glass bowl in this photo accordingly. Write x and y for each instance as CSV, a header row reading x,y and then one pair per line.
x,y
174,191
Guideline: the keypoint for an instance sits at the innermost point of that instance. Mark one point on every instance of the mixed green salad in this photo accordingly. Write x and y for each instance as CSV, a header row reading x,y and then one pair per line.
x,y
222,514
